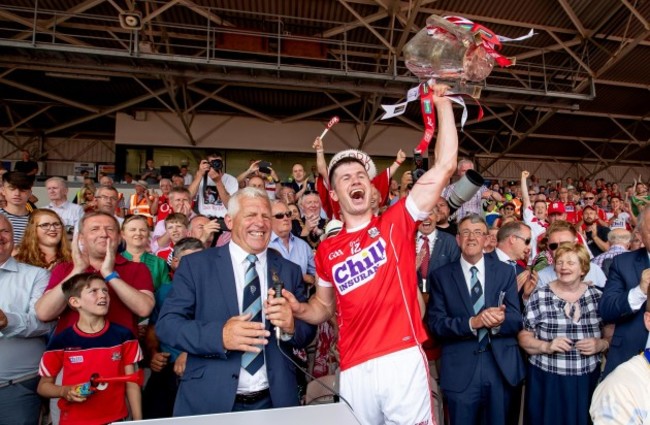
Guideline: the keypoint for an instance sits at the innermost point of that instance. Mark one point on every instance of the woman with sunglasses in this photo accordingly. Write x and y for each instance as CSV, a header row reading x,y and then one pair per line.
x,y
44,243
563,334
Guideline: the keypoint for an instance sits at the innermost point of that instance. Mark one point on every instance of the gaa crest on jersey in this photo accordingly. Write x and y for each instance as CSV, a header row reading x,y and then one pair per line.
x,y
116,356
373,232
360,268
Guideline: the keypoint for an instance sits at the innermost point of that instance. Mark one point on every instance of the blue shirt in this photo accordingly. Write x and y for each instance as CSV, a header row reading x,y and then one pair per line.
x,y
299,252
22,341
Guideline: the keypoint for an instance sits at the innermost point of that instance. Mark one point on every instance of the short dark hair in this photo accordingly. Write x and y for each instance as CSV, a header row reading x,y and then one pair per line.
x,y
509,229
77,283
185,244
214,153
18,180
342,161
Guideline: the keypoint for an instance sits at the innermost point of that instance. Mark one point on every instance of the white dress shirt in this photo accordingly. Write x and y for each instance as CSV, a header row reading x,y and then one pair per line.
x,y
70,213
249,383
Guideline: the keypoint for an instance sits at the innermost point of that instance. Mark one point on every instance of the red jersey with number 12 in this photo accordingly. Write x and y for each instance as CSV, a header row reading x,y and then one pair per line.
x,y
373,272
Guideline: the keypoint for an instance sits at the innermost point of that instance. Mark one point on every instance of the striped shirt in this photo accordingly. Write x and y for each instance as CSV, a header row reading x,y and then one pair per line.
x,y
19,224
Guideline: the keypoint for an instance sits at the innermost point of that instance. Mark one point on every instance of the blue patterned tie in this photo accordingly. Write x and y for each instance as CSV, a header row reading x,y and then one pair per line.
x,y
252,304
478,301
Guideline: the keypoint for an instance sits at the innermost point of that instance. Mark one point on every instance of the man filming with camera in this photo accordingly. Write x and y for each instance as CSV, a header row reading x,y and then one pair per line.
x,y
213,186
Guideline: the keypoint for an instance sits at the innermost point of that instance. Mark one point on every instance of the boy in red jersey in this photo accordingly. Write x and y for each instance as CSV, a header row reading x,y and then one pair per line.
x,y
368,271
92,345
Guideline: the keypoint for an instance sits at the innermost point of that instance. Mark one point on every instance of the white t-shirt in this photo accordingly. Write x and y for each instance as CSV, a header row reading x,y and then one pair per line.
x,y
209,202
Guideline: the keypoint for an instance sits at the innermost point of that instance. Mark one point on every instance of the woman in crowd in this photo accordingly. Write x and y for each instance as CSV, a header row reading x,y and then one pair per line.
x,y
87,198
135,232
44,243
563,336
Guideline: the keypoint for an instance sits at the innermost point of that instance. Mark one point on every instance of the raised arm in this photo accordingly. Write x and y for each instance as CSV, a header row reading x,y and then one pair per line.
x,y
399,160
321,163
427,189
524,190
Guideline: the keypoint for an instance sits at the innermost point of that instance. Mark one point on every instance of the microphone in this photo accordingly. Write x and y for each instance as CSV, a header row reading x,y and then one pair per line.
x,y
277,287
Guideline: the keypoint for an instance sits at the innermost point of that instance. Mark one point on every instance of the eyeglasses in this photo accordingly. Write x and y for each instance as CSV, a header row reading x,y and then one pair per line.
x,y
280,216
107,198
526,240
589,198
48,226
475,233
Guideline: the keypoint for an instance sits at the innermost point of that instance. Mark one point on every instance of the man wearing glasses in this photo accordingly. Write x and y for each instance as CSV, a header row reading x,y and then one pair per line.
x,y
474,313
289,246
107,198
590,201
558,233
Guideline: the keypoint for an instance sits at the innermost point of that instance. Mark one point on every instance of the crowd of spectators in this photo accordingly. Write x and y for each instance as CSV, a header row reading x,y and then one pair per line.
x,y
577,248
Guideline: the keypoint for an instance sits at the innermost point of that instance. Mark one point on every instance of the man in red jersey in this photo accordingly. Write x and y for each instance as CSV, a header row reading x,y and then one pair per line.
x,y
368,271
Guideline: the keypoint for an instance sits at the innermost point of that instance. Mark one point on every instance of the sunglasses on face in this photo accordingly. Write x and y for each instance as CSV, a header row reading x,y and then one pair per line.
x,y
589,198
526,240
554,245
280,216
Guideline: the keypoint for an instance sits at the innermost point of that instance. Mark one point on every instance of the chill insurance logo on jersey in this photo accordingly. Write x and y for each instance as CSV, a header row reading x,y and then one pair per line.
x,y
360,268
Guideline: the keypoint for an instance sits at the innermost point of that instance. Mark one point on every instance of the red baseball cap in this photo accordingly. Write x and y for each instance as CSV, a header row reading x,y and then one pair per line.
x,y
556,207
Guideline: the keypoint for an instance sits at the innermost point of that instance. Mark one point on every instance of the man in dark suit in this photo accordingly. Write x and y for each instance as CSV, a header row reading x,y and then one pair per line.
x,y
513,248
474,313
624,299
439,248
214,313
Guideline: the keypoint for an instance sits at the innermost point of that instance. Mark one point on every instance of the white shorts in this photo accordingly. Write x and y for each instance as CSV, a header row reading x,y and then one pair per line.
x,y
391,389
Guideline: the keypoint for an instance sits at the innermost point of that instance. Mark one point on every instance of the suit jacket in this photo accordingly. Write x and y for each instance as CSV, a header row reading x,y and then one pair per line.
x,y
450,309
630,334
495,256
202,299
445,251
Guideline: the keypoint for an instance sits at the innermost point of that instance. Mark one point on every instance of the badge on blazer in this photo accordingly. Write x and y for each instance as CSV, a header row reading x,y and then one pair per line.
x,y
373,232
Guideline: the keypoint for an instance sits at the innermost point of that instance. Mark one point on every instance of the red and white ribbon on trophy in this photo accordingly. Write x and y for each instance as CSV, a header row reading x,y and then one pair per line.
x,y
464,51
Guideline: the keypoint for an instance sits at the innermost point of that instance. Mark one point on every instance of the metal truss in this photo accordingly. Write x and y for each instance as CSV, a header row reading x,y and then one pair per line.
x,y
352,74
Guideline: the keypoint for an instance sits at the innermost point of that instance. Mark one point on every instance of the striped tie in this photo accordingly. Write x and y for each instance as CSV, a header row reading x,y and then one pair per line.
x,y
252,304
478,301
